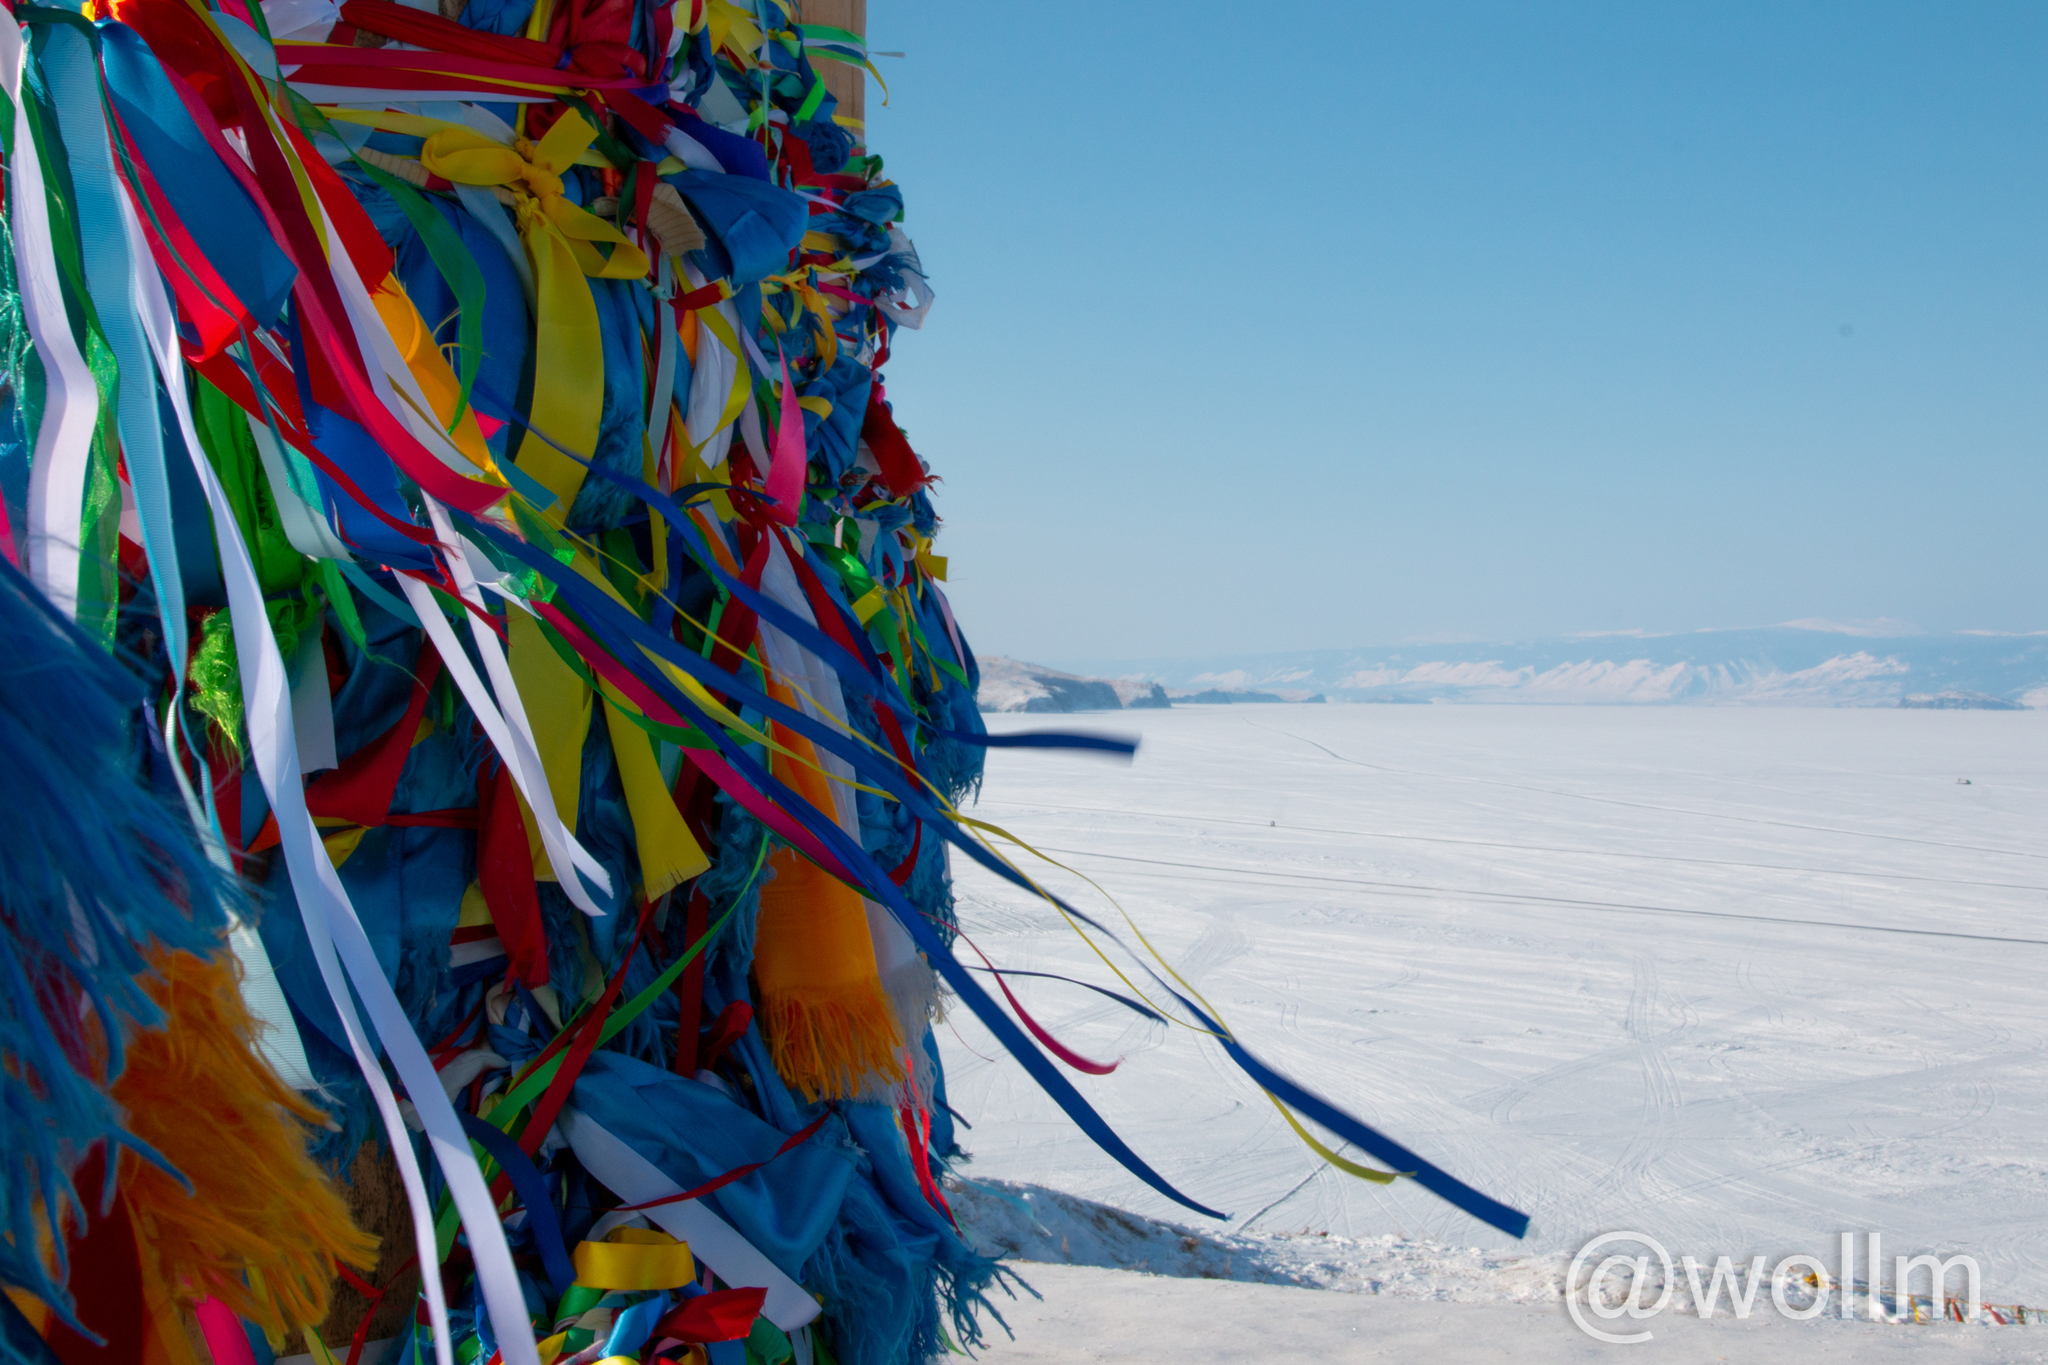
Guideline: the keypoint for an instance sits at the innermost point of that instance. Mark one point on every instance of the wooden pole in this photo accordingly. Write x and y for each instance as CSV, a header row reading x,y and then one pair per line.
x,y
847,83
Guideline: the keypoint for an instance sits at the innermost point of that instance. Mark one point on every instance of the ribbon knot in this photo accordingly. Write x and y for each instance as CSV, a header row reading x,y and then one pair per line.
x,y
564,244
540,182
549,224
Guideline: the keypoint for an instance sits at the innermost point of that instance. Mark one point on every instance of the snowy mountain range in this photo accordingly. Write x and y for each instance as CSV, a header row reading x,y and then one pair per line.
x,y
1806,663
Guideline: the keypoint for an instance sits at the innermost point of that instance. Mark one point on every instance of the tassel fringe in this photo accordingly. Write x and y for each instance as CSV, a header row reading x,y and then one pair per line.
x,y
198,1092
835,1045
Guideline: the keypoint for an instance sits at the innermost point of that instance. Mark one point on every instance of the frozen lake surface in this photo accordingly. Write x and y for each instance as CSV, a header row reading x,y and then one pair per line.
x,y
1739,979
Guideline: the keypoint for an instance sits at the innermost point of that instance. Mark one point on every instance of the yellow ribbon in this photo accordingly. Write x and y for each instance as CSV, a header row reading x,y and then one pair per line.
x,y
815,303
1348,1167
562,242
669,853
558,706
632,1259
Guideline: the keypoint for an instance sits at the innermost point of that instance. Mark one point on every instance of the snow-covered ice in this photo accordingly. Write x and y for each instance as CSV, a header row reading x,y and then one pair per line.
x,y
1741,980
1086,1316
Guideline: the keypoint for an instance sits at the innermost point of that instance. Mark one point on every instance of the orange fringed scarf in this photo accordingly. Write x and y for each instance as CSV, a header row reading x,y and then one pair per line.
x,y
831,1031
197,1092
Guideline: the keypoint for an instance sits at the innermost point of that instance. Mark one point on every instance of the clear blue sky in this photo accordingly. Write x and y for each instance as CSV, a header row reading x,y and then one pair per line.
x,y
1291,326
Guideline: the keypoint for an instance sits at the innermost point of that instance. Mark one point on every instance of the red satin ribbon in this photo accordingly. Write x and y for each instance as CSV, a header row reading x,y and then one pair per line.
x,y
361,790
587,1033
504,874
424,29
325,64
1052,1044
788,465
917,1133
899,463
720,1315
106,1280
795,1141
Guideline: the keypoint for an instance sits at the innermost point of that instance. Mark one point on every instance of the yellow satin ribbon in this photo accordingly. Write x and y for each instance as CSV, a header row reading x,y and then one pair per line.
x,y
634,1259
562,244
669,853
1346,1166
420,126
558,707
422,356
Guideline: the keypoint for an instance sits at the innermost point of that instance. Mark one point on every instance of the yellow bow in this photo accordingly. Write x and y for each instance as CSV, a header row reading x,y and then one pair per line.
x,y
562,243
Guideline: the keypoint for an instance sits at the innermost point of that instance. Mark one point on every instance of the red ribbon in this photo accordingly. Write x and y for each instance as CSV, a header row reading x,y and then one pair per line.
x,y
899,464
1052,1044
917,1133
326,64
504,874
424,29
362,789
587,1033
720,1315
788,464
795,1141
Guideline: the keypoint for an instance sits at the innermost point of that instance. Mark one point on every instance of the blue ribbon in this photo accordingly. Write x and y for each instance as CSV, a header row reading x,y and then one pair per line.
x,y
533,1193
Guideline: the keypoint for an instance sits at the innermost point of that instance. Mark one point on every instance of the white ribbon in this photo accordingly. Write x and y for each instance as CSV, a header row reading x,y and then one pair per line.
x,y
313,706
636,1180
508,729
909,302
691,152
289,19
122,292
71,401
711,382
304,526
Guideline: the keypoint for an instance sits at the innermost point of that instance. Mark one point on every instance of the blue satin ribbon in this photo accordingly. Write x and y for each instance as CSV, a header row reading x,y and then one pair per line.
x,y
214,207
633,1325
533,1193
356,453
